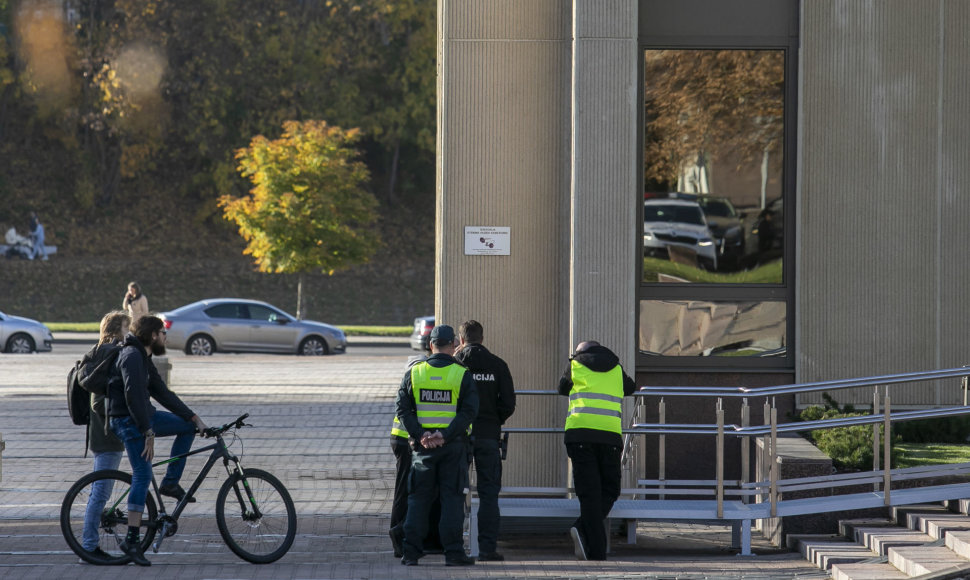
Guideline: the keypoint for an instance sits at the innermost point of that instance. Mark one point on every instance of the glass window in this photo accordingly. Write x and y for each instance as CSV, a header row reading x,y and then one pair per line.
x,y
257,312
714,147
230,310
712,328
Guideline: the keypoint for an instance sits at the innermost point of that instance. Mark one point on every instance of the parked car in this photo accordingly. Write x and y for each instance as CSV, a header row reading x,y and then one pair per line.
x,y
422,332
725,223
680,224
24,335
237,325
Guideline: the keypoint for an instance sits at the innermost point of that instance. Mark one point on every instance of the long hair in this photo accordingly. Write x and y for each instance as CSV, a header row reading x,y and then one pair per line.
x,y
114,325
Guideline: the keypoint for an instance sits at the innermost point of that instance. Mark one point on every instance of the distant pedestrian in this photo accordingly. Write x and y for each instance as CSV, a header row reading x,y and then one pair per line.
x,y
436,404
496,403
37,237
595,383
105,446
135,303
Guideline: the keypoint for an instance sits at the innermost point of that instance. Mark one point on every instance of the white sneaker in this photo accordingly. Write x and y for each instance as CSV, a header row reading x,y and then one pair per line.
x,y
578,546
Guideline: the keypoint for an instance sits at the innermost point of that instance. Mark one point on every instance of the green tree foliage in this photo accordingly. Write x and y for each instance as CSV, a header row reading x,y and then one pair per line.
x,y
217,73
849,447
307,209
700,101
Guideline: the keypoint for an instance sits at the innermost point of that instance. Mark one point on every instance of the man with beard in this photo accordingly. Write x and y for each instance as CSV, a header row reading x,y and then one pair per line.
x,y
133,419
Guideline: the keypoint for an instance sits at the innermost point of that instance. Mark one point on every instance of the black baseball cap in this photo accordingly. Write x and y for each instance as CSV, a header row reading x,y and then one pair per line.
x,y
442,334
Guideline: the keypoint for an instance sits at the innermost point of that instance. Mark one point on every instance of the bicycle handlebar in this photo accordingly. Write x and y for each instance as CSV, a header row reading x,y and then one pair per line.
x,y
213,431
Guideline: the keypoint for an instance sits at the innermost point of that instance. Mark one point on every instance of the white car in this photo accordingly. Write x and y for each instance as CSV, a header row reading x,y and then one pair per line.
x,y
24,335
238,325
678,225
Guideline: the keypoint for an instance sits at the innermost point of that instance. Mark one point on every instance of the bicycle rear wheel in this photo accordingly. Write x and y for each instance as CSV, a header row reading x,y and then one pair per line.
x,y
256,516
106,493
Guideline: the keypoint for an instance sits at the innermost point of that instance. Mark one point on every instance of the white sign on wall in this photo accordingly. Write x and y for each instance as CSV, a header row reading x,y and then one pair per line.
x,y
487,241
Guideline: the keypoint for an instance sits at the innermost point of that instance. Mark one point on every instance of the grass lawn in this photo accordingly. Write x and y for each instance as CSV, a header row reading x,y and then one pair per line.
x,y
769,273
350,330
913,454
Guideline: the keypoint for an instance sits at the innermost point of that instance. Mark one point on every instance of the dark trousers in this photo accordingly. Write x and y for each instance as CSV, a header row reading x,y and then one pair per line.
x,y
402,456
399,507
441,473
488,469
596,476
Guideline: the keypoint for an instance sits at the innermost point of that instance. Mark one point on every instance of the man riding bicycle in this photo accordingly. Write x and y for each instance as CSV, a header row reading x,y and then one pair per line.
x,y
133,381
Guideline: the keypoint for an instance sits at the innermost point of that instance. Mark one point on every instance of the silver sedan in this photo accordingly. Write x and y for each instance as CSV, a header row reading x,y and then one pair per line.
x,y
23,335
238,325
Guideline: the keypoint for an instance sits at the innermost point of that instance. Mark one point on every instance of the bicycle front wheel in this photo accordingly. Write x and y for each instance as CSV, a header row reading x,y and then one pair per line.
x,y
94,514
256,516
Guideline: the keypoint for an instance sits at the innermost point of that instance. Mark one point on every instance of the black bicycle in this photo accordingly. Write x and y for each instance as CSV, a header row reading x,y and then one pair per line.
x,y
254,512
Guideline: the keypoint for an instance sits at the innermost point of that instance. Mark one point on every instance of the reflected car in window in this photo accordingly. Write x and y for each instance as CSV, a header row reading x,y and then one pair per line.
x,y
676,229
238,325
20,335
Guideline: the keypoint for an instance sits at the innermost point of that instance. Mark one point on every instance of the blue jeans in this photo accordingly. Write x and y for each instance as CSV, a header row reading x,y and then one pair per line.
x,y
100,491
164,424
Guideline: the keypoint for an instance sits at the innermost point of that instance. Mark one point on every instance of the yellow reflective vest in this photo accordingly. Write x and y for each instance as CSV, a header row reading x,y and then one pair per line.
x,y
595,401
398,430
435,392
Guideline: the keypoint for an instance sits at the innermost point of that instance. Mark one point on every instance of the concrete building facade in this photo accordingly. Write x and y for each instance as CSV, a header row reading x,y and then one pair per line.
x,y
544,141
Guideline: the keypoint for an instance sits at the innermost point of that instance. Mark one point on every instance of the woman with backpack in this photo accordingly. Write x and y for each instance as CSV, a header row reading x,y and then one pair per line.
x,y
105,446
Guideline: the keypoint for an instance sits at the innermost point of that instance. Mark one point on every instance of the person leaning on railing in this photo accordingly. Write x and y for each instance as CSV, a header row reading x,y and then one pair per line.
x,y
595,383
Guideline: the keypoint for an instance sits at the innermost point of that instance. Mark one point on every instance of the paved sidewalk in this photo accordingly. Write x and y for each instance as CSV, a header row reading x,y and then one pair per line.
x,y
321,426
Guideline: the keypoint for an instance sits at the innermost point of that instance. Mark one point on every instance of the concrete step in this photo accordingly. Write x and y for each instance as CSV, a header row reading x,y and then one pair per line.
x,y
826,550
846,527
960,505
867,571
920,560
937,525
880,539
959,542
902,514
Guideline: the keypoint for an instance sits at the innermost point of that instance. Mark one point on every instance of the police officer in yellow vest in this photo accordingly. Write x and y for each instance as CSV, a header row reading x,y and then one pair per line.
x,y
436,403
595,383
399,506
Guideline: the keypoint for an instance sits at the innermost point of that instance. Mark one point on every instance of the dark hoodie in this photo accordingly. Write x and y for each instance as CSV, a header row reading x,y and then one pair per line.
x,y
598,359
134,380
496,393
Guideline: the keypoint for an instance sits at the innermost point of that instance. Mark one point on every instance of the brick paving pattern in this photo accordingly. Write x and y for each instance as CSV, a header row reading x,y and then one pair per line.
x,y
321,426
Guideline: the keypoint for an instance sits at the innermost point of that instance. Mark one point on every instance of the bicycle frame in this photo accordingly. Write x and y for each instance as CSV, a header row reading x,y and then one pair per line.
x,y
219,450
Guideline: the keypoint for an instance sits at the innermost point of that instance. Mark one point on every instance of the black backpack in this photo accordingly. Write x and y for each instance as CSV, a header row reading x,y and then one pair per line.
x,y
89,375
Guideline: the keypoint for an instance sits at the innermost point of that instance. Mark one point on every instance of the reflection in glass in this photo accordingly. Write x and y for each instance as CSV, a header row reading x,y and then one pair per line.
x,y
707,328
713,158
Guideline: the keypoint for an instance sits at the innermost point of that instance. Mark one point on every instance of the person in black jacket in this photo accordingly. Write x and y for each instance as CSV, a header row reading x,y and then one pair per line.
x,y
595,383
496,403
133,382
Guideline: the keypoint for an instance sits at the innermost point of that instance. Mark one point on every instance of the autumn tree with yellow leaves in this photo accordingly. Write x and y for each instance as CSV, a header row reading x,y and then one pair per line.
x,y
308,209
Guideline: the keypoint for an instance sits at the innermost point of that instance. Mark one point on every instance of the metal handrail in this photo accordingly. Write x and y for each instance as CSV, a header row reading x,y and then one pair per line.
x,y
732,429
772,429
802,387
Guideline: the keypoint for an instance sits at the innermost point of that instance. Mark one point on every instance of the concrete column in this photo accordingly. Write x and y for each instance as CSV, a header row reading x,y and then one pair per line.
x,y
503,161
603,179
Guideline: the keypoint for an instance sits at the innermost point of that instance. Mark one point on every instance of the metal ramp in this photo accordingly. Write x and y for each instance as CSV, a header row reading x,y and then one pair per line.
x,y
738,503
